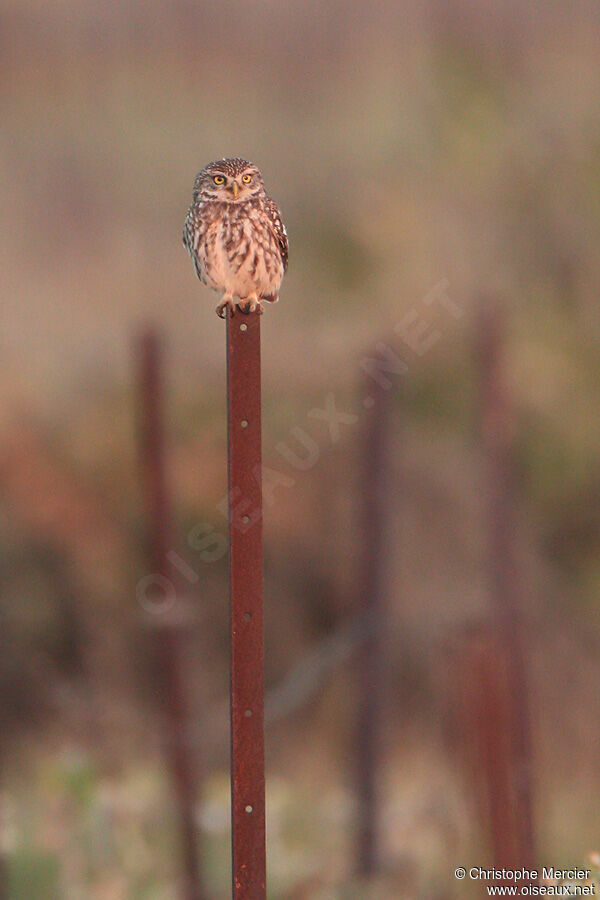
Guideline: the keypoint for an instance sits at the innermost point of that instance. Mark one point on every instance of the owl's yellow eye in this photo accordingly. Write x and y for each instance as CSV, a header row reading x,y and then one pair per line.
x,y
219,179
246,179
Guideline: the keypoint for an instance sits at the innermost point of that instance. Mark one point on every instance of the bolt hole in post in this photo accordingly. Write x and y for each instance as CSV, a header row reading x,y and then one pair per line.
x,y
245,568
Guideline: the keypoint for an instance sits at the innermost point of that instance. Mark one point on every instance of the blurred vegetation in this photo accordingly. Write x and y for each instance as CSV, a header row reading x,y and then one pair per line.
x,y
408,144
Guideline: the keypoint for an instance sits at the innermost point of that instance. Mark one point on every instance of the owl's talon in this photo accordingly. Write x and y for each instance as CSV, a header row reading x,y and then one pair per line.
x,y
225,308
250,304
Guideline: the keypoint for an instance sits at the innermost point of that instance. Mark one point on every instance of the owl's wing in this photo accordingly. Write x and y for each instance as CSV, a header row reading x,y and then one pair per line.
x,y
191,239
279,230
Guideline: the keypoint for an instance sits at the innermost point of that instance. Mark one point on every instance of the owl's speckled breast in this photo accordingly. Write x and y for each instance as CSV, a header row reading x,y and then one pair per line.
x,y
239,252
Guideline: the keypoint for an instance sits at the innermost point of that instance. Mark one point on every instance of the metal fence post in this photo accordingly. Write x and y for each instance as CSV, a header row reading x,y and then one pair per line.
x,y
168,633
485,719
246,586
505,584
375,502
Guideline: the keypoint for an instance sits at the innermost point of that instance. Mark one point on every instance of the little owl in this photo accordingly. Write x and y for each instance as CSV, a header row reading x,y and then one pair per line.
x,y
234,234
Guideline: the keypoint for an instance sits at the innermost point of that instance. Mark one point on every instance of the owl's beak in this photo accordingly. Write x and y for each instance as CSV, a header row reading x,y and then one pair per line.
x,y
236,189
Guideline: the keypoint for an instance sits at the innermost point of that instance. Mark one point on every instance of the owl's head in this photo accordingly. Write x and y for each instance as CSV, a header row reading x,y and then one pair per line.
x,y
230,180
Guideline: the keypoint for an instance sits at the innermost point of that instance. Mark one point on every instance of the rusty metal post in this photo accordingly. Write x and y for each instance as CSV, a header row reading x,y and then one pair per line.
x,y
375,505
246,586
485,718
168,633
505,588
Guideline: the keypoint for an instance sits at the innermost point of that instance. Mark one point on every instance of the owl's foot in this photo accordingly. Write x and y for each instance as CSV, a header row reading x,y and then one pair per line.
x,y
226,307
250,304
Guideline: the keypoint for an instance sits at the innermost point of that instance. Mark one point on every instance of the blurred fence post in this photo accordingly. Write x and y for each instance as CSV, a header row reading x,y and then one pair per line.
x,y
485,721
168,631
4,880
246,587
497,423
374,516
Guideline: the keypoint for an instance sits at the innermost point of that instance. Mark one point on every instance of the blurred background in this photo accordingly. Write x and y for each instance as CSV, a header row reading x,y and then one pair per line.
x,y
433,161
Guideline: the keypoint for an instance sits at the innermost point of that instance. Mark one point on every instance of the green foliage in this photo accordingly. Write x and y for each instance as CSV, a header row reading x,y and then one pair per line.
x,y
32,873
